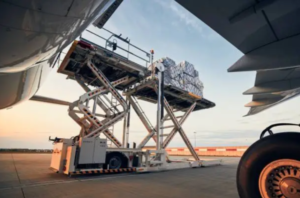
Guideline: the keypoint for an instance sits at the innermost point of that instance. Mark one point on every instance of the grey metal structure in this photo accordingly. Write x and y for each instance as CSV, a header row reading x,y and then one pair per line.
x,y
268,33
148,89
160,105
93,65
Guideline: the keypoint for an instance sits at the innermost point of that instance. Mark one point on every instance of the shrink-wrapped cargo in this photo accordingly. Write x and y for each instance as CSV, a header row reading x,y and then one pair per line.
x,y
182,75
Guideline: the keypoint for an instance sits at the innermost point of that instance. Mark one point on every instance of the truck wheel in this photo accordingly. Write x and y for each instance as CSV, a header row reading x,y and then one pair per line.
x,y
116,160
271,168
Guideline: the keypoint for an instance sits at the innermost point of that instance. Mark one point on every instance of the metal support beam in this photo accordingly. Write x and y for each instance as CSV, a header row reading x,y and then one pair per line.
x,y
99,102
181,121
141,114
126,125
90,122
181,131
110,102
166,127
95,105
96,114
179,128
160,106
82,122
151,135
146,139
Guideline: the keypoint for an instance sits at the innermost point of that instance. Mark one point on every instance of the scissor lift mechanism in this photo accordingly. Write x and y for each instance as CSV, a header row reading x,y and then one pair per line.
x,y
141,90
90,64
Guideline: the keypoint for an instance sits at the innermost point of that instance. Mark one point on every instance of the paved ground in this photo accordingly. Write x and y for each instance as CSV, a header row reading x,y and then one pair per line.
x,y
27,175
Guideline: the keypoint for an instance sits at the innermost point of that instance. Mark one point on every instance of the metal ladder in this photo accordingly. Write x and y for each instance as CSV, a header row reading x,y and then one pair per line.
x,y
90,123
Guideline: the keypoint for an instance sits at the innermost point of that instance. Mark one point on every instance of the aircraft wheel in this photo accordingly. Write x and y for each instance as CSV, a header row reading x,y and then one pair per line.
x,y
271,168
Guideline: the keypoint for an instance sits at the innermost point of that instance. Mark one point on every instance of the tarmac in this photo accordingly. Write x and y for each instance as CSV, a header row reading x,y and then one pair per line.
x,y
28,175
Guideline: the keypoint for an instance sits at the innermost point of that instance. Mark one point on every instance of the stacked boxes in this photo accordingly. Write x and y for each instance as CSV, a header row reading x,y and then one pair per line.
x,y
182,75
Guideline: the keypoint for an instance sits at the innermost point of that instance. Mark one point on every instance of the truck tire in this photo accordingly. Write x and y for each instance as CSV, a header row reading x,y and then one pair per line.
x,y
116,160
271,168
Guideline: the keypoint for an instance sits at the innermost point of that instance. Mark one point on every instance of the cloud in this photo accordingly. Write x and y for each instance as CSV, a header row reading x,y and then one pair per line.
x,y
183,15
242,122
186,17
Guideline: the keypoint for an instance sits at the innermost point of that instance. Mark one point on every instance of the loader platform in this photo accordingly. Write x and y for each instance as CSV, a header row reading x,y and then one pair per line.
x,y
113,65
177,98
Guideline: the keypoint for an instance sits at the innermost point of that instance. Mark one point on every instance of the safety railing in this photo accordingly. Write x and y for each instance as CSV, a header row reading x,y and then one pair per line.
x,y
112,43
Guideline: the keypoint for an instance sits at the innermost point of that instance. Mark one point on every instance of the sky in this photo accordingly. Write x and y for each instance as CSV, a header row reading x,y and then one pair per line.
x,y
171,31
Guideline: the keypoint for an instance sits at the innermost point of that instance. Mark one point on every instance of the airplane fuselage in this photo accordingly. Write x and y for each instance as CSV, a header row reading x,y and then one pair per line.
x,y
32,34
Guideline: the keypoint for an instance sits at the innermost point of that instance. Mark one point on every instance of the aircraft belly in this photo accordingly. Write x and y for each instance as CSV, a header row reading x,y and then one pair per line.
x,y
32,33
20,86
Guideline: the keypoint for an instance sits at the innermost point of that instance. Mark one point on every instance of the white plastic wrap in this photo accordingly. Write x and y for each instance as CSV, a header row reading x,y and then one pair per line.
x,y
182,75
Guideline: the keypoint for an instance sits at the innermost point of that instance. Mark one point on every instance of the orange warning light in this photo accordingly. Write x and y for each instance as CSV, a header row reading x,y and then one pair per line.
x,y
152,51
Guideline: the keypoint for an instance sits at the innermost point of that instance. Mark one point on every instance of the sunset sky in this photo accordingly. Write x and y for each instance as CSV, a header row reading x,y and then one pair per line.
x,y
171,31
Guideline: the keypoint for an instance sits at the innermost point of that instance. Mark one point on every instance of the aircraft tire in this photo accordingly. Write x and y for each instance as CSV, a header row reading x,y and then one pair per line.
x,y
259,167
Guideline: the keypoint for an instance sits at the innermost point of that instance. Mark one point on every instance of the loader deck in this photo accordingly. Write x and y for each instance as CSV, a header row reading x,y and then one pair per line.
x,y
114,66
177,98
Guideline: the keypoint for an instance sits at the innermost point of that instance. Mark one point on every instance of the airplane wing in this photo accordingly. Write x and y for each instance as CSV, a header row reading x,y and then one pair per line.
x,y
44,99
49,100
268,33
107,12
